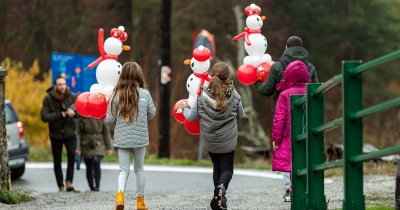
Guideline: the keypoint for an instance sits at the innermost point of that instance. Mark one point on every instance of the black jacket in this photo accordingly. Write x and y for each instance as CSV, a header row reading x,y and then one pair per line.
x,y
59,126
275,75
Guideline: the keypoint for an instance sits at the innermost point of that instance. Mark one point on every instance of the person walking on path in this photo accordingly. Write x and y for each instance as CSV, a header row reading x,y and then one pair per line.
x,y
219,107
294,82
294,51
93,140
130,108
59,112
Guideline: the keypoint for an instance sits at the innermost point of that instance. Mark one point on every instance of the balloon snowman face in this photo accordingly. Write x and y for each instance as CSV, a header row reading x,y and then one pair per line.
x,y
199,66
254,22
113,46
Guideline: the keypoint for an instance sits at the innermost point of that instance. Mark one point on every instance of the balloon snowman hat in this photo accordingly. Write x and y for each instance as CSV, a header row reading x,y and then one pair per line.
x,y
200,63
109,69
257,63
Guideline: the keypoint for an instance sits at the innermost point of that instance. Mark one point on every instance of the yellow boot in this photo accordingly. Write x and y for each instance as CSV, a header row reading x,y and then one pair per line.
x,y
140,203
119,203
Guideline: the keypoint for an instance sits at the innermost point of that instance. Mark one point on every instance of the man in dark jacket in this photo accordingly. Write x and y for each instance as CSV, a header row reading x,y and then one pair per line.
x,y
58,111
294,51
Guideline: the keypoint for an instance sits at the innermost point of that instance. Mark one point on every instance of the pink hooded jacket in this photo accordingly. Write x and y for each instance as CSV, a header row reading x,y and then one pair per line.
x,y
294,82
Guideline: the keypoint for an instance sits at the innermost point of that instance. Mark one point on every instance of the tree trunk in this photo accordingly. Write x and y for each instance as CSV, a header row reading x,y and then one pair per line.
x,y
4,169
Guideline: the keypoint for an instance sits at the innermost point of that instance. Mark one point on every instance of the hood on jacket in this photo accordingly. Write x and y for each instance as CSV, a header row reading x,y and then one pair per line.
x,y
296,73
295,53
211,103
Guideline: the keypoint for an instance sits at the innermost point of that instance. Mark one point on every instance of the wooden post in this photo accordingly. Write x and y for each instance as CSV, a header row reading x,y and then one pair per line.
x,y
4,169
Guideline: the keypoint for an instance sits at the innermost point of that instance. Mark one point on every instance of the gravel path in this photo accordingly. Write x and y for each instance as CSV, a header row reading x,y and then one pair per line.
x,y
266,196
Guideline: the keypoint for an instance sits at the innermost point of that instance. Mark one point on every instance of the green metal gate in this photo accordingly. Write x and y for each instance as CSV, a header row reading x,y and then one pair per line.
x,y
307,131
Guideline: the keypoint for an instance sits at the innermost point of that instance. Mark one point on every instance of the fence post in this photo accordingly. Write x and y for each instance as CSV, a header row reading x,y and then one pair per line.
x,y
315,148
299,184
352,138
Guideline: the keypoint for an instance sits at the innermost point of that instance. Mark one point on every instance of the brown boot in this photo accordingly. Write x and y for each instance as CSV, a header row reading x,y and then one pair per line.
x,y
61,189
119,201
140,203
69,186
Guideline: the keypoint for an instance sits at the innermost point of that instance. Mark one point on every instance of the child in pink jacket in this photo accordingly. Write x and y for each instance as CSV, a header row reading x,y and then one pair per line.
x,y
294,82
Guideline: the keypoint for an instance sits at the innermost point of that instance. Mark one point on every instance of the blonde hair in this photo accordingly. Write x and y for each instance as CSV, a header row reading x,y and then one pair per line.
x,y
219,83
128,96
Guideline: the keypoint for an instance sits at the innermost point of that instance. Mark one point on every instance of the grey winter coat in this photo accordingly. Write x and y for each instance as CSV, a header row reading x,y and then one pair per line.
x,y
132,134
218,129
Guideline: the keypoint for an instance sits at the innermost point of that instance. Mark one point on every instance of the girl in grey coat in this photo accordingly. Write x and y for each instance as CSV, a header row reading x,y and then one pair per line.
x,y
130,108
219,107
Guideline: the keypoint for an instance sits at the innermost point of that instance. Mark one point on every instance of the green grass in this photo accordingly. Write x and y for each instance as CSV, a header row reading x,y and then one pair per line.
x,y
15,196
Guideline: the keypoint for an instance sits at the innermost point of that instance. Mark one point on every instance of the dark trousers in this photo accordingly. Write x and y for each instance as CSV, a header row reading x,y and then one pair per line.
x,y
56,148
222,168
93,171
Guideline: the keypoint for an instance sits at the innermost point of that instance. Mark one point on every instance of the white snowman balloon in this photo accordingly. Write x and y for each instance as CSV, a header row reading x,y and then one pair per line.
x,y
255,43
200,63
109,69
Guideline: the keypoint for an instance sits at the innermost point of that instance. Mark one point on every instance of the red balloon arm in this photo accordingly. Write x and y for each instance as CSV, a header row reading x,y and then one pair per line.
x,y
94,63
100,42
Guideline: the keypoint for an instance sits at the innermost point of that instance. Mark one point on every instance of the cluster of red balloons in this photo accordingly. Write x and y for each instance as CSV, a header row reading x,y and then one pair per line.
x,y
177,111
248,74
92,105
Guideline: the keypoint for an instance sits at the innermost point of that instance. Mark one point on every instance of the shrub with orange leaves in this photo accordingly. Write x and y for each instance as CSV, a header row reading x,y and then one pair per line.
x,y
26,95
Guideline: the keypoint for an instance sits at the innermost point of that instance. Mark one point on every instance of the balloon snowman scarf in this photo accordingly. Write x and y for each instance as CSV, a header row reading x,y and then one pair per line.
x,y
200,63
258,63
94,103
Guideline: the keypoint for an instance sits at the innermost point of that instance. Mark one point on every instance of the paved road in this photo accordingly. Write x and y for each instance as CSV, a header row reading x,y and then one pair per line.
x,y
40,177
188,188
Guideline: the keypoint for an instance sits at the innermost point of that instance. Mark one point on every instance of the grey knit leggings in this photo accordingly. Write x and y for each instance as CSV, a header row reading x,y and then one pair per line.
x,y
124,156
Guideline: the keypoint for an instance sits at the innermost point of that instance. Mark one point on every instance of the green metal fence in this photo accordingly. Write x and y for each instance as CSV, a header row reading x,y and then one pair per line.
x,y
307,131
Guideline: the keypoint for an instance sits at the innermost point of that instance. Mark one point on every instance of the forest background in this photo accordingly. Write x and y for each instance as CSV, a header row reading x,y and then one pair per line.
x,y
332,31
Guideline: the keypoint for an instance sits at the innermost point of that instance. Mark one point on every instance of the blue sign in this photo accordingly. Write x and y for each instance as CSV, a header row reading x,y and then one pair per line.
x,y
71,67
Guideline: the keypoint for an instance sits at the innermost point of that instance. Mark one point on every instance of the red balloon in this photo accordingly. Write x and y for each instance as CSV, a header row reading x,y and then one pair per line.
x,y
96,105
80,104
263,70
177,110
192,127
247,74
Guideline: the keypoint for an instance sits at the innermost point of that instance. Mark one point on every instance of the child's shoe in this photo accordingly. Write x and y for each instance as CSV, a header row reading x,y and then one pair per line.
x,y
119,201
287,197
140,203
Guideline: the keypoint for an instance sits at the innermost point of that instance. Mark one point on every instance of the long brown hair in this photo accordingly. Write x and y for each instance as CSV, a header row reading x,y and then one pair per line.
x,y
219,83
126,88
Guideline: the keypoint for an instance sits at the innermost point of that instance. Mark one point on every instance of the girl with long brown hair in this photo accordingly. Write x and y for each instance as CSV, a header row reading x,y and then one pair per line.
x,y
130,108
219,107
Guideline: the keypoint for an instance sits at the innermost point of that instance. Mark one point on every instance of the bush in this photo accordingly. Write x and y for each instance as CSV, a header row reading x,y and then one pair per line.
x,y
15,196
26,95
